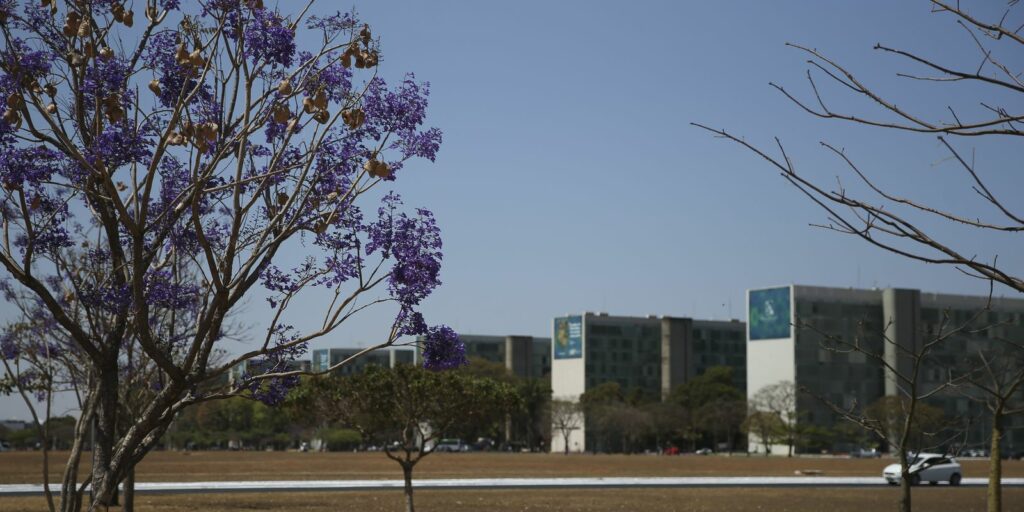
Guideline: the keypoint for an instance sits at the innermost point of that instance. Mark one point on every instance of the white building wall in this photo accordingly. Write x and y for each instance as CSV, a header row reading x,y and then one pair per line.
x,y
770,362
568,382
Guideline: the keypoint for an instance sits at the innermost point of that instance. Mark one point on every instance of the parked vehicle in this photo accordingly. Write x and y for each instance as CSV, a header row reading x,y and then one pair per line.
x,y
975,452
927,467
865,453
704,451
452,445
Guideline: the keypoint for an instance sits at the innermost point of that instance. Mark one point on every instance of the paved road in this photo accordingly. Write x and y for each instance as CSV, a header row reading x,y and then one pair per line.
x,y
504,483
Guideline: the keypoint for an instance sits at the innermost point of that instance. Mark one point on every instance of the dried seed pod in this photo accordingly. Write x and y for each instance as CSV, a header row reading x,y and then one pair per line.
x,y
45,3
281,113
117,11
106,53
121,187
307,105
36,202
320,99
15,101
11,117
322,116
346,60
90,50
51,108
285,87
360,61
77,59
282,198
370,59
69,30
181,55
129,18
364,34
255,4
50,90
196,59
85,28
154,85
176,139
115,114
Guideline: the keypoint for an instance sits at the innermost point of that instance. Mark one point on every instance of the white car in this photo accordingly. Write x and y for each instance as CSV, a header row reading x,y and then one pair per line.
x,y
927,467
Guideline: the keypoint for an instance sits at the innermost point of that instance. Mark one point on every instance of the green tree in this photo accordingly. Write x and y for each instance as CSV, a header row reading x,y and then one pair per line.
x,y
410,408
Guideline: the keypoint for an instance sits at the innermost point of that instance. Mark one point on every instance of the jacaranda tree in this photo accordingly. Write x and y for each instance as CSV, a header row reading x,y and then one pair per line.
x,y
159,167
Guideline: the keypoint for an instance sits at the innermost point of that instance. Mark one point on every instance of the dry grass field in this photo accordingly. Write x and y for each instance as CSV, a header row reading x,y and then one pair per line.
x,y
937,499
24,467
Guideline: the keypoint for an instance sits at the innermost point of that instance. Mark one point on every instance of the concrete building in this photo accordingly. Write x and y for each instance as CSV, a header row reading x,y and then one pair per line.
x,y
524,356
650,354
789,332
258,367
325,358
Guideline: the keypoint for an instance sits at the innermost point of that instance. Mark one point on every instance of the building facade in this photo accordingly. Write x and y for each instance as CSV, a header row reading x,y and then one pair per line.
x,y
802,334
523,356
651,355
325,358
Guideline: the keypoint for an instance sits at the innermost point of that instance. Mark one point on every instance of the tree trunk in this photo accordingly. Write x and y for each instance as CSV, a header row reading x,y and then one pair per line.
x,y
566,437
104,482
904,481
995,467
128,504
407,473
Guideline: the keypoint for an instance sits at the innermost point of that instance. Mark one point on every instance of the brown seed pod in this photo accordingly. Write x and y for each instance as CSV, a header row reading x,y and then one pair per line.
x,y
320,99
51,108
85,28
90,50
154,85
281,113
121,187
115,114
196,59
307,105
360,61
11,117
285,87
50,90
77,59
282,198
364,34
346,60
181,55
176,139
117,10
188,129
211,130
44,3
15,101
129,18
322,116
370,59
255,4
106,53
36,202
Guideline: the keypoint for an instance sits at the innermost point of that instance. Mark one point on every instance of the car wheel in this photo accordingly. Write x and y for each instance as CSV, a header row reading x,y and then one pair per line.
x,y
915,479
955,479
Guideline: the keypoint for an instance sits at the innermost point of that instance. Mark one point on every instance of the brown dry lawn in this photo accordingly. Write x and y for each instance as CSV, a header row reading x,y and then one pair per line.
x,y
26,467
932,499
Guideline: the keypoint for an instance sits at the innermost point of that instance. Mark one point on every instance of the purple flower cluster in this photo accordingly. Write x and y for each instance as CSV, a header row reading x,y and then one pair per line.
x,y
268,39
443,350
415,244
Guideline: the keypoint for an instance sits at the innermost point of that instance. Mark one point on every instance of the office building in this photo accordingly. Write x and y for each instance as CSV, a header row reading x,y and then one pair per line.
x,y
651,355
793,331
385,357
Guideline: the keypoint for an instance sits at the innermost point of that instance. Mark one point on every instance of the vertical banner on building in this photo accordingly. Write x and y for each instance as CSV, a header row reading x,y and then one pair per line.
x,y
569,337
769,315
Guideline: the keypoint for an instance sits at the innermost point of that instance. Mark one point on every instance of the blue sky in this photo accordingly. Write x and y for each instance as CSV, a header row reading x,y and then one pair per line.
x,y
571,180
